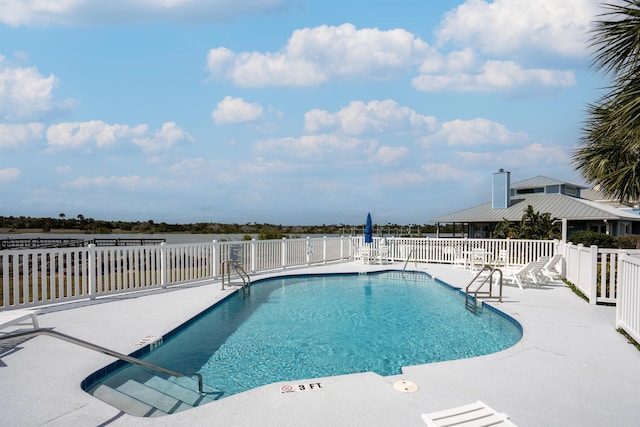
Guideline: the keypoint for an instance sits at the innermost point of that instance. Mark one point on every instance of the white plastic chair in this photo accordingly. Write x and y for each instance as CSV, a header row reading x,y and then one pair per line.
x,y
383,254
458,258
478,259
502,260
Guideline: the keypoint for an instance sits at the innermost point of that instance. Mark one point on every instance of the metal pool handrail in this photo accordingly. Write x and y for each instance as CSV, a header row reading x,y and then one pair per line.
x,y
407,262
104,350
475,292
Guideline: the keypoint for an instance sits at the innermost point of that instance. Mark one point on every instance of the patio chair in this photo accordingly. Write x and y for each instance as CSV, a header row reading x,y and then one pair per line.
x,y
530,274
383,253
550,269
365,255
478,259
535,274
502,260
477,414
518,276
459,259
19,317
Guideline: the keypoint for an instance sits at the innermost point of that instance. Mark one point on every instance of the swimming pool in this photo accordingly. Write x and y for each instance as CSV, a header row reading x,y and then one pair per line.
x,y
304,327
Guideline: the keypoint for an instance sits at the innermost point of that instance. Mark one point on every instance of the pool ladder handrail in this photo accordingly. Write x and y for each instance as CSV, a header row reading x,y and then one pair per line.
x,y
235,265
407,262
473,307
104,350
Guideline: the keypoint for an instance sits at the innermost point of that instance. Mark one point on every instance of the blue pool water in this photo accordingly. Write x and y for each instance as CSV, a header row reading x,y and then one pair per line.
x,y
305,327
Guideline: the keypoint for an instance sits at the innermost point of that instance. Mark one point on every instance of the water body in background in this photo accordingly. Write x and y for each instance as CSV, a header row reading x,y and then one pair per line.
x,y
170,238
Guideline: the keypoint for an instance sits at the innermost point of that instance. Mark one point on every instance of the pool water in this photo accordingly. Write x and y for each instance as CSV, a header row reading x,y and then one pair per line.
x,y
304,327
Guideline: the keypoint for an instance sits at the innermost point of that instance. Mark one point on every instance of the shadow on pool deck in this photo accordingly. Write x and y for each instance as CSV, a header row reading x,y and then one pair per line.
x,y
570,368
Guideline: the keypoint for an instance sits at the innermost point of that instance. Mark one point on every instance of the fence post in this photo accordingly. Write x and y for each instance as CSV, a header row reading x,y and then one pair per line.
x,y
254,254
593,275
621,291
309,250
324,249
163,265
284,252
215,255
91,253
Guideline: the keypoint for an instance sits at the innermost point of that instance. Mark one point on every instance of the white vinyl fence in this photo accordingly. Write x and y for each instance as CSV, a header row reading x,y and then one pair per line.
x,y
443,250
45,276
595,271
628,304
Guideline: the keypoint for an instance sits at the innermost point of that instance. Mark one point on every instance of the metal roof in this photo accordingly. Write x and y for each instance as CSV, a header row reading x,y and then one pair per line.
x,y
541,181
559,206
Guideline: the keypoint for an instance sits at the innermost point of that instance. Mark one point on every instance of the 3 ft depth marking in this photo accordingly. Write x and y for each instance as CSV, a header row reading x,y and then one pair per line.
x,y
288,388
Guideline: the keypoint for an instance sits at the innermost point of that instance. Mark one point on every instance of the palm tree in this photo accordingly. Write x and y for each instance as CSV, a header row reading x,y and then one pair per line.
x,y
610,151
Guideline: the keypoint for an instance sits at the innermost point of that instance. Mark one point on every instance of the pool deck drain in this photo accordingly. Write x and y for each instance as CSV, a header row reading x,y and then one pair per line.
x,y
405,386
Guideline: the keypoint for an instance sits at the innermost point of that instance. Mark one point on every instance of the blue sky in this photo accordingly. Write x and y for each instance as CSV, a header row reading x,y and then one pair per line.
x,y
285,111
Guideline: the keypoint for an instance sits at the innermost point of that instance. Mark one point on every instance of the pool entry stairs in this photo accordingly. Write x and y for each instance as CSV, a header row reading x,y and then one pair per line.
x,y
140,388
145,394
481,286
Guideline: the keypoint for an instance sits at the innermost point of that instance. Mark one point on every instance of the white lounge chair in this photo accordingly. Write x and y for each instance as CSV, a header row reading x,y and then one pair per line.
x,y
550,269
530,274
18,317
520,276
476,414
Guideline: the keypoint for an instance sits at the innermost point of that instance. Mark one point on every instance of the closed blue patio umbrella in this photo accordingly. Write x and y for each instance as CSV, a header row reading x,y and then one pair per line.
x,y
368,230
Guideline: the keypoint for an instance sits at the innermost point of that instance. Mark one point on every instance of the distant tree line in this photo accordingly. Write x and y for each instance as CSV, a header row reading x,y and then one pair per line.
x,y
82,224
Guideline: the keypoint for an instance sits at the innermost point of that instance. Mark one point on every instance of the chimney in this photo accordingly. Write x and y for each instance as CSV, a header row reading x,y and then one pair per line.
x,y
501,190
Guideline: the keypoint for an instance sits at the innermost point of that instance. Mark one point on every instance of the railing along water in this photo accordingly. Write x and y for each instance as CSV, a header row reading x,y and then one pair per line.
x,y
443,250
43,276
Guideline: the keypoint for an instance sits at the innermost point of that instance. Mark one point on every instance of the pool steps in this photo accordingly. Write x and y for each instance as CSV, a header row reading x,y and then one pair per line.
x,y
146,395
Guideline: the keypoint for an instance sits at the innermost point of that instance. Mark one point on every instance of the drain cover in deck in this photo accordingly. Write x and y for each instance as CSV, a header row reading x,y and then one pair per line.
x,y
405,386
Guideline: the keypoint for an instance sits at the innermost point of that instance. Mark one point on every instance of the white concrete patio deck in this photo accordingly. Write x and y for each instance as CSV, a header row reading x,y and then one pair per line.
x,y
570,369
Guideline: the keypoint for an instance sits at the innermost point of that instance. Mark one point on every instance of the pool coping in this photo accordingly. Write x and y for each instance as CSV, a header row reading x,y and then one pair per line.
x,y
570,368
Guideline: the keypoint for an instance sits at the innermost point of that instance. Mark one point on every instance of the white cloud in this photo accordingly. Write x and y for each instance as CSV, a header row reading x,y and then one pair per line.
x,y
532,154
400,179
25,93
87,12
387,155
511,26
442,172
9,174
315,55
374,117
78,134
492,76
14,135
236,110
170,135
474,132
97,133
131,183
314,147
